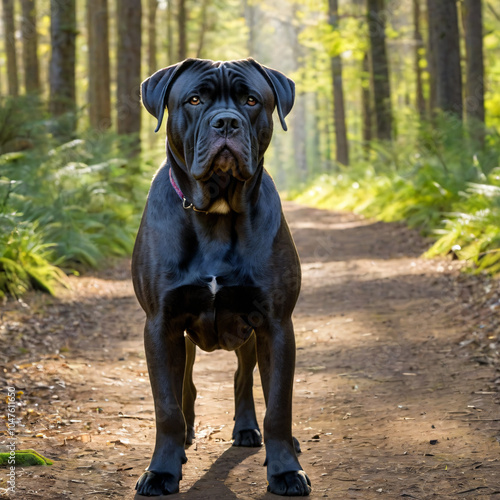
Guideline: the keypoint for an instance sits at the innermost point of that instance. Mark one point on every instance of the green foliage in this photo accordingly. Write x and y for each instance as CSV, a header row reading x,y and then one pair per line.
x,y
207,20
25,260
438,184
473,233
17,123
65,206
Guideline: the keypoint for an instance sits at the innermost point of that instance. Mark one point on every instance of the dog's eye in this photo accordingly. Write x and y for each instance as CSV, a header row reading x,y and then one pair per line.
x,y
195,100
251,101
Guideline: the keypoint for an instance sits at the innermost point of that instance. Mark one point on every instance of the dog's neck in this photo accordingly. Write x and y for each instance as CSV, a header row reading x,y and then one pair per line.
x,y
203,198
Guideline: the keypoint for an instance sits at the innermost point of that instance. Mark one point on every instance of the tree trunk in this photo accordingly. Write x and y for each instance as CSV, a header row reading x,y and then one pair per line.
x,y
420,100
299,124
152,9
62,62
128,77
443,28
30,47
203,28
250,18
98,64
170,37
181,20
474,89
342,151
329,131
431,57
366,104
10,46
299,137
379,69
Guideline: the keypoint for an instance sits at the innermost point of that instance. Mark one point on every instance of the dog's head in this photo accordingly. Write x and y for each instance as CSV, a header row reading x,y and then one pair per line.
x,y
219,115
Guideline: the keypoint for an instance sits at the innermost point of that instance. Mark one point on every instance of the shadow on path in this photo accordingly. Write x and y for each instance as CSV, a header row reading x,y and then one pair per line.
x,y
211,484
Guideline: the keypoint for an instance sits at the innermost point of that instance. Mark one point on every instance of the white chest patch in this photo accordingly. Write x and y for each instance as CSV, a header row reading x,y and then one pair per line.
x,y
220,207
213,285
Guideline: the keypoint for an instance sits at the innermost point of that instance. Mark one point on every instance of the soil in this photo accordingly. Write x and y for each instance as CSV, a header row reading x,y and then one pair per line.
x,y
396,390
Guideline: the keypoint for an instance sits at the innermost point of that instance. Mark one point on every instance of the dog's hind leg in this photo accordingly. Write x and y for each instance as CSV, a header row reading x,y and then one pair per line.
x,y
246,431
189,391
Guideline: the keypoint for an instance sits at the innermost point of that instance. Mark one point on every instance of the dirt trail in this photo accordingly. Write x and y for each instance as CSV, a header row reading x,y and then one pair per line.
x,y
388,403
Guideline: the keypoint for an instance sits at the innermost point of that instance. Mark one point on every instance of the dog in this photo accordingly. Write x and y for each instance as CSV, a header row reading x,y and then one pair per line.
x,y
214,264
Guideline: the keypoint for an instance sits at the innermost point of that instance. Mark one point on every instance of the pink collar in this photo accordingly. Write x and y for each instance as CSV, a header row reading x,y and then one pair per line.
x,y
185,204
175,186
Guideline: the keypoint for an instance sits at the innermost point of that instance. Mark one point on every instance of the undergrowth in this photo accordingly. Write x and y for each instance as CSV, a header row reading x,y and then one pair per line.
x,y
439,183
64,207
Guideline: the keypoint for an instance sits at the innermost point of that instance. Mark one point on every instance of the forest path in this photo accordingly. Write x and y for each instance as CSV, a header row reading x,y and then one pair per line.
x,y
387,402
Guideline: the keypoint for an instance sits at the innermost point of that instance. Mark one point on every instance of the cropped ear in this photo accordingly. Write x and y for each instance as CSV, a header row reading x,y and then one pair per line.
x,y
283,89
155,89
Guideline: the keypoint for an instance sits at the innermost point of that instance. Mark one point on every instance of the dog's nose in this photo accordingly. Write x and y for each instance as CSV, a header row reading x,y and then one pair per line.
x,y
225,123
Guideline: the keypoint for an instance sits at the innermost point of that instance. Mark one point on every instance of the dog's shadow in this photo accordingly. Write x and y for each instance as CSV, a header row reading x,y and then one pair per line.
x,y
211,484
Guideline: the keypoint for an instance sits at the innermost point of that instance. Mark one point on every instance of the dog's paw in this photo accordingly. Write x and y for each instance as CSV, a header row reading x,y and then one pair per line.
x,y
248,437
189,436
291,484
296,445
152,484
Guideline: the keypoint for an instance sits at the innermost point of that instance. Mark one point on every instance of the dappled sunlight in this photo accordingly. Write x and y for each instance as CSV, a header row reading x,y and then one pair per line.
x,y
380,119
385,393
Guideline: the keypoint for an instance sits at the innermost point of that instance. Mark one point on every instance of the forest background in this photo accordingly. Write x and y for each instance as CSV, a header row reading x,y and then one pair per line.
x,y
397,116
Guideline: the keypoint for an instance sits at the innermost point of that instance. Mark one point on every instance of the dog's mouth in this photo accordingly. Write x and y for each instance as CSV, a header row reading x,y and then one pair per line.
x,y
220,169
226,165
223,157
225,162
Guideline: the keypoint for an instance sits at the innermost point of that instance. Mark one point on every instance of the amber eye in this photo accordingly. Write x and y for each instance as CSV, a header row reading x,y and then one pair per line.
x,y
251,101
195,100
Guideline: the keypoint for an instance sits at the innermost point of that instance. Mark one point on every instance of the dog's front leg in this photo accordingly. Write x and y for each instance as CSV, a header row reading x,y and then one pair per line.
x,y
276,357
166,357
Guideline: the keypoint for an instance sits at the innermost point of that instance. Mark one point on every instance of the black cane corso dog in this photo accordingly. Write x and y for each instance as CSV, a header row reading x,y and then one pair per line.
x,y
214,263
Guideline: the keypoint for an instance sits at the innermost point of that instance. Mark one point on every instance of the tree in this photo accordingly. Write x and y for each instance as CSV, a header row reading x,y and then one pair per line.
x,y
379,69
299,116
169,38
342,151
30,47
366,107
445,42
203,27
474,89
431,58
98,64
10,46
181,23
62,62
152,9
250,12
420,100
128,79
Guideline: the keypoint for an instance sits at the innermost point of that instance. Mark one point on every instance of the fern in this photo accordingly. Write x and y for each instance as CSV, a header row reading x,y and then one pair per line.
x,y
63,206
436,184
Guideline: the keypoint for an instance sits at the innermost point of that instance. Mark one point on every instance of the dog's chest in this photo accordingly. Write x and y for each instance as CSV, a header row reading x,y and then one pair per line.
x,y
213,285
219,305
215,281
